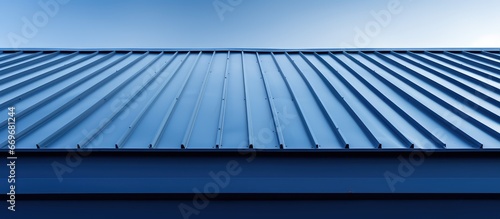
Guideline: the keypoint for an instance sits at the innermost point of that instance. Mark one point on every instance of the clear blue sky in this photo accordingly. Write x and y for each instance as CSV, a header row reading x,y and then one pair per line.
x,y
249,23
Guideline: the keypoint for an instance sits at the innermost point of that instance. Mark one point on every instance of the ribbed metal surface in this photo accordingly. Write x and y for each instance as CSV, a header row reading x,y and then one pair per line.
x,y
252,99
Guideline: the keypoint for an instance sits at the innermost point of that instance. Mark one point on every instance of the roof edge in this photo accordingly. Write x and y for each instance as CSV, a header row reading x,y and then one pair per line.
x,y
256,151
250,49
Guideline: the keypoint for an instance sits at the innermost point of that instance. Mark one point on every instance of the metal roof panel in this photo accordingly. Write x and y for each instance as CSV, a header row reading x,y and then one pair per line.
x,y
252,98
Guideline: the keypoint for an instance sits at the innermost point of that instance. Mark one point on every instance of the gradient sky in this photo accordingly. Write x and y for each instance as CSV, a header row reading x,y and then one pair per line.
x,y
249,24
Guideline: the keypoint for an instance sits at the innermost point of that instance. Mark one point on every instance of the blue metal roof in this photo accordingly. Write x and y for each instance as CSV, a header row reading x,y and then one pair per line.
x,y
262,99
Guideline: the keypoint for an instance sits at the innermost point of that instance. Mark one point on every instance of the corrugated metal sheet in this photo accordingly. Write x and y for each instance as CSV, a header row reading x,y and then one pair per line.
x,y
252,99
